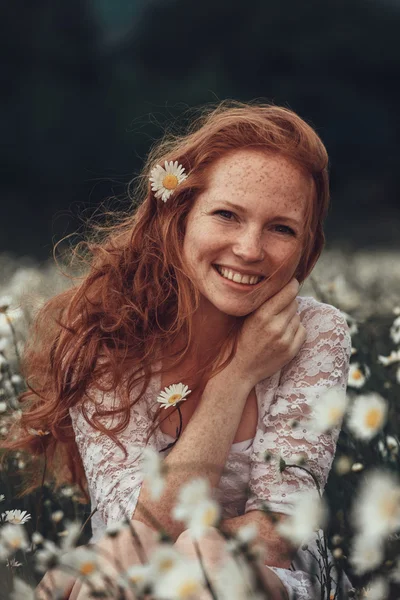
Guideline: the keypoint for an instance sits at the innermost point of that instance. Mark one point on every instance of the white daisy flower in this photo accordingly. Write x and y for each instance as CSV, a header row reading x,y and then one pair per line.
x,y
392,443
342,464
395,330
13,564
235,580
57,516
356,376
309,515
2,497
329,410
182,582
351,322
114,529
17,517
3,406
5,302
376,512
50,553
13,538
22,591
189,496
37,538
164,180
14,316
205,515
366,554
153,471
38,432
164,558
393,357
378,589
367,415
357,467
246,534
137,577
47,556
173,394
394,574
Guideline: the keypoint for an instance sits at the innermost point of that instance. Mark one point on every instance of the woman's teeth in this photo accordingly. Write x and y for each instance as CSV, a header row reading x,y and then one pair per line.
x,y
237,277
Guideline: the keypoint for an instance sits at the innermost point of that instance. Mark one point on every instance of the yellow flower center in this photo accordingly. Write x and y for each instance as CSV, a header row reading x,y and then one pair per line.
x,y
188,589
15,543
87,568
209,516
373,418
174,398
357,374
390,505
166,564
334,414
170,181
136,578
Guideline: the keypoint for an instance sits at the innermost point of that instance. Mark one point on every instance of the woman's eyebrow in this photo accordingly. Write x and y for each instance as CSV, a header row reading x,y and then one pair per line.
x,y
241,209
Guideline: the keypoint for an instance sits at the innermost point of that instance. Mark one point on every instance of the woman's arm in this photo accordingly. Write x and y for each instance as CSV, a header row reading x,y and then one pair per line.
x,y
279,552
203,448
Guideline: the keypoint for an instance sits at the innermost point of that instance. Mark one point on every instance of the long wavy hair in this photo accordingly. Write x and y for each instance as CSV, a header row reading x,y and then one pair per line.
x,y
135,295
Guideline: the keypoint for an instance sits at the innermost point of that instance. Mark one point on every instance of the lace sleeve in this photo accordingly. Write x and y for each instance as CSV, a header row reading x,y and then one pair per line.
x,y
114,480
322,362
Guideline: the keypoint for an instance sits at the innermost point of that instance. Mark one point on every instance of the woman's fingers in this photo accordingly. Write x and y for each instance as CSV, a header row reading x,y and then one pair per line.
x,y
55,583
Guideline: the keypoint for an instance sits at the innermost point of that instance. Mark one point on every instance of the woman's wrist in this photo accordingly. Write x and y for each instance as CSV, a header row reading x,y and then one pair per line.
x,y
233,376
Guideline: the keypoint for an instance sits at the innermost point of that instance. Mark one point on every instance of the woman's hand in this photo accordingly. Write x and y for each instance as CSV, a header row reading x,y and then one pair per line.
x,y
54,584
271,336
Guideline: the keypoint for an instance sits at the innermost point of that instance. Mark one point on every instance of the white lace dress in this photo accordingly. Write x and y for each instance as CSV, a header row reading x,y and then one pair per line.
x,y
322,363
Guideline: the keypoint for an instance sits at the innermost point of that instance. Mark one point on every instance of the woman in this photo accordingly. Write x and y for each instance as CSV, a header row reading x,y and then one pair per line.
x,y
200,287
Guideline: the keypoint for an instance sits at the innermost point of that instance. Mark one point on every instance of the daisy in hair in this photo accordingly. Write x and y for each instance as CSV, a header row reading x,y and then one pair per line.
x,y
173,394
164,180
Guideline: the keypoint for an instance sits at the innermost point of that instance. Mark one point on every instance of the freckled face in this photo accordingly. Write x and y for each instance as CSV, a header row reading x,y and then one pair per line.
x,y
259,235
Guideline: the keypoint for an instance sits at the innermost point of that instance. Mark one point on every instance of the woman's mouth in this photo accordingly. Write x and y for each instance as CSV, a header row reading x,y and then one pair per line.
x,y
236,280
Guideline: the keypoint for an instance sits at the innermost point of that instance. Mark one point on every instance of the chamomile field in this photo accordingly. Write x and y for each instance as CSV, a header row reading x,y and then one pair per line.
x,y
358,513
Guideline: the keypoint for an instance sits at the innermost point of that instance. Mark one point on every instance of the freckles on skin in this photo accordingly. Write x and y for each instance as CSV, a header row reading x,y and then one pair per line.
x,y
267,190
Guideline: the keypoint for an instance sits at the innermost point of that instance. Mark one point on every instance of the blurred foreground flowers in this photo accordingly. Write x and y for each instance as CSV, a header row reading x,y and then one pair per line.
x,y
360,509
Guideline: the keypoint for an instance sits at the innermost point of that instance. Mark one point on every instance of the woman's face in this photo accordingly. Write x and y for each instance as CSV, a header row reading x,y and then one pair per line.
x,y
249,220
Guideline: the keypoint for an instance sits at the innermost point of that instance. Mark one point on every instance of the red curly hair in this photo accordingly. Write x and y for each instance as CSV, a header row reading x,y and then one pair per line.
x,y
106,331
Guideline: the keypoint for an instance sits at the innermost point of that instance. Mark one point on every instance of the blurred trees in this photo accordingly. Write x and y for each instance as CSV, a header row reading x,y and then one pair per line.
x,y
87,87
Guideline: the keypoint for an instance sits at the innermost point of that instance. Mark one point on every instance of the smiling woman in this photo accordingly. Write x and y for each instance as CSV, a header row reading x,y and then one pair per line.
x,y
198,286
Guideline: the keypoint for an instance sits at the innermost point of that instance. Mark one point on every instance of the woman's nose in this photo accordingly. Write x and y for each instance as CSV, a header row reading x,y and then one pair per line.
x,y
249,247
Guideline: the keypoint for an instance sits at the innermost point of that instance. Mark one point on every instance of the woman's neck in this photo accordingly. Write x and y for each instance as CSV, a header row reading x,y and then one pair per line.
x,y
209,332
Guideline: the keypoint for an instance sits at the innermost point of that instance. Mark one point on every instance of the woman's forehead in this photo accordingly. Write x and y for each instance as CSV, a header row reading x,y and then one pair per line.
x,y
257,180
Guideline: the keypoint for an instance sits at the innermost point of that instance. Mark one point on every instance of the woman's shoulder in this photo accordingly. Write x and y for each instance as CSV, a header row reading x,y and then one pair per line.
x,y
312,310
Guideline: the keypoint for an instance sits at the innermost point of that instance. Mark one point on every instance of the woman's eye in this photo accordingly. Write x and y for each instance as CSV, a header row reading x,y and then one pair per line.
x,y
286,229
223,214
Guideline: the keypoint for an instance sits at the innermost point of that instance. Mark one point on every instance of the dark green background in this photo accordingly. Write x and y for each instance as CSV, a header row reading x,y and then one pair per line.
x,y
87,86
